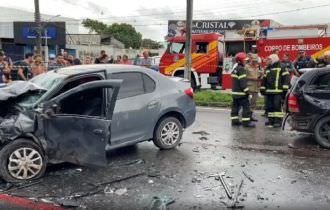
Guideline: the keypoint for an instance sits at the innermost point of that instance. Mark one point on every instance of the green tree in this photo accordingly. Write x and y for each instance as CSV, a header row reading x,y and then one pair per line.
x,y
151,44
94,25
123,32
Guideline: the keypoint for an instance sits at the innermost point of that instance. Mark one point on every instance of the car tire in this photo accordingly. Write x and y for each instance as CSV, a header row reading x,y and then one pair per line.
x,y
323,125
22,160
168,133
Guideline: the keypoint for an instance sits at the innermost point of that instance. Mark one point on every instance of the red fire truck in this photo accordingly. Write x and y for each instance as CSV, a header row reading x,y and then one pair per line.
x,y
206,58
211,68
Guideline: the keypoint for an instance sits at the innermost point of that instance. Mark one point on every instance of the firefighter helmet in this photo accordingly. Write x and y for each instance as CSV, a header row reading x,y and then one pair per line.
x,y
241,57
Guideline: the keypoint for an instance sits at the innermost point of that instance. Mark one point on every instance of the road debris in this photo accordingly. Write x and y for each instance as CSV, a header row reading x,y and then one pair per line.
x,y
202,133
225,186
203,138
259,197
248,177
150,181
12,187
196,180
196,149
68,203
161,203
109,190
235,204
133,162
121,191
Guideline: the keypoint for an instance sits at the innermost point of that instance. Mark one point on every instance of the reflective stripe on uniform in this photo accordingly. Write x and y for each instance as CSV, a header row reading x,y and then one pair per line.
x,y
274,91
238,93
246,89
242,76
278,114
267,71
285,73
246,119
234,118
234,76
285,86
278,71
262,87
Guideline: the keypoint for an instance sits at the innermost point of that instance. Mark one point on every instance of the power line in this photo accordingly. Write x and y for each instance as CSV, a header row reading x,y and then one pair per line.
x,y
251,16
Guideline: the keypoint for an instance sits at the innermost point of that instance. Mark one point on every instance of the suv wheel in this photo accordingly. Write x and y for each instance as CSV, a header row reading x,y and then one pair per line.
x,y
322,132
21,160
168,133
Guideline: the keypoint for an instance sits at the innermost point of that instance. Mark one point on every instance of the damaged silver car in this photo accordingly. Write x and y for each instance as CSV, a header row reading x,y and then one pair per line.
x,y
77,114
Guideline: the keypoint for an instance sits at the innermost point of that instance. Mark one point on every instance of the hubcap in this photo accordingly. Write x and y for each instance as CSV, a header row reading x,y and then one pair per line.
x,y
170,133
25,163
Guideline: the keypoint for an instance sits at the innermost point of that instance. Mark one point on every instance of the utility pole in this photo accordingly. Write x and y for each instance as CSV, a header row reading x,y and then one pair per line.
x,y
188,60
37,20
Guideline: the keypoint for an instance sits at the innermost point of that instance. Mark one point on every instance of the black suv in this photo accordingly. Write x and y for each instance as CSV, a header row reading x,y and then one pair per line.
x,y
308,105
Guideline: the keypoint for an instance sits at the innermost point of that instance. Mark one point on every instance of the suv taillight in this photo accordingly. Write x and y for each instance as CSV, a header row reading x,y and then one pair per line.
x,y
293,105
189,92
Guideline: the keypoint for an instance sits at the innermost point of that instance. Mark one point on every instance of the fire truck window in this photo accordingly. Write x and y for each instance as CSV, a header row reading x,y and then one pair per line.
x,y
177,48
201,47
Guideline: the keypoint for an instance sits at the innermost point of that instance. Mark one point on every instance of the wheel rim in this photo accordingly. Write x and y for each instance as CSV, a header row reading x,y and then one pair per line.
x,y
325,131
170,133
25,163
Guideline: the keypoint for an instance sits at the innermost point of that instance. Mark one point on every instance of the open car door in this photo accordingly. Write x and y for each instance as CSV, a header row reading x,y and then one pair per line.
x,y
79,132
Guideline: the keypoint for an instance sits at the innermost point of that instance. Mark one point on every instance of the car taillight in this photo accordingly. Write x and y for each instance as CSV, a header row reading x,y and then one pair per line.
x,y
293,105
189,92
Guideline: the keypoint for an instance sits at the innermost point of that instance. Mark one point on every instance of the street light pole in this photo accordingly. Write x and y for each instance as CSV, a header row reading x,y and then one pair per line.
x,y
188,60
37,19
46,49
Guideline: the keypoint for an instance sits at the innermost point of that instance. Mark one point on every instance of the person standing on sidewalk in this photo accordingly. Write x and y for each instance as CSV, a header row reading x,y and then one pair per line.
x,y
240,93
253,75
275,84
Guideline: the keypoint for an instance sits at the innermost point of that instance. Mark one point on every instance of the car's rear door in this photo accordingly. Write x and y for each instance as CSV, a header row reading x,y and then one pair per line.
x,y
80,138
137,108
317,94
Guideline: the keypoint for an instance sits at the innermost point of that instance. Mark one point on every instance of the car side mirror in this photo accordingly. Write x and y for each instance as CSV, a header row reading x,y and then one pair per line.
x,y
50,110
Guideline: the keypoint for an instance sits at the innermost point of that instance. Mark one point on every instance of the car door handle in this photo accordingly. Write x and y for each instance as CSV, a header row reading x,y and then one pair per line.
x,y
98,131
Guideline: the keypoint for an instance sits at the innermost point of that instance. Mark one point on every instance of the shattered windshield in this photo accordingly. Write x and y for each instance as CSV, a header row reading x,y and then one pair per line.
x,y
47,81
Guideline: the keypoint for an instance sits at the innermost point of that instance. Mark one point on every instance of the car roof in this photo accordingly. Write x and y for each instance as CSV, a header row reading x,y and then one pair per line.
x,y
110,68
314,71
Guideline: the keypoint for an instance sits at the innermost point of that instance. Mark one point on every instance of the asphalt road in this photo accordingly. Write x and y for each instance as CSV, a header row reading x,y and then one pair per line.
x,y
273,175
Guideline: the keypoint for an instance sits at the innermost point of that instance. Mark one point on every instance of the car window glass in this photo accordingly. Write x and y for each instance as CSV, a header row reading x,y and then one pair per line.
x,y
201,47
177,48
149,84
77,82
132,84
322,82
88,102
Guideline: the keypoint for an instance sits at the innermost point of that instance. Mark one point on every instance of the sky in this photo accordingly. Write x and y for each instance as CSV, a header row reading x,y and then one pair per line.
x,y
150,16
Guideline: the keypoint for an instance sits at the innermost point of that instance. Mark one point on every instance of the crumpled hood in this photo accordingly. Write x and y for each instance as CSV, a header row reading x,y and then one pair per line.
x,y
17,88
15,125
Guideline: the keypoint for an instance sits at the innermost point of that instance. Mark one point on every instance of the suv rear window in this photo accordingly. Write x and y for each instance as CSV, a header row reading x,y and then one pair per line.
x,y
322,82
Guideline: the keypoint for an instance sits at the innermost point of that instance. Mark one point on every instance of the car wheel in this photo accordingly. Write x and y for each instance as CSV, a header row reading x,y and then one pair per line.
x,y
322,132
21,160
168,133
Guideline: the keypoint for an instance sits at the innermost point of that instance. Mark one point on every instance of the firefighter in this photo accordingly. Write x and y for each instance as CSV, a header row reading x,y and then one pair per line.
x,y
275,84
240,93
